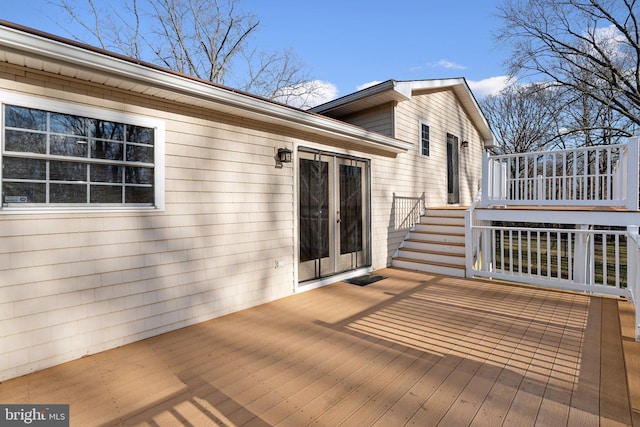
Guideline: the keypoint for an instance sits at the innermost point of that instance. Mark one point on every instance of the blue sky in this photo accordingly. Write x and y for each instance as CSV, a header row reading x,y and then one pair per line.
x,y
348,44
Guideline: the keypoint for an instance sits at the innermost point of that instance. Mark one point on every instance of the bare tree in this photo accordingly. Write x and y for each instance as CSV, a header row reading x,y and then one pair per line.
x,y
589,47
207,39
523,117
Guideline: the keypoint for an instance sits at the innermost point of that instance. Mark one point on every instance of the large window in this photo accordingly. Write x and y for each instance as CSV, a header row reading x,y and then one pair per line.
x,y
424,139
55,159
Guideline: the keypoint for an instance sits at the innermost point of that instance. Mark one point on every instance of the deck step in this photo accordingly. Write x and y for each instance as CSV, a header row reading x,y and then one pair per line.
x,y
436,244
429,266
440,228
444,220
431,255
437,236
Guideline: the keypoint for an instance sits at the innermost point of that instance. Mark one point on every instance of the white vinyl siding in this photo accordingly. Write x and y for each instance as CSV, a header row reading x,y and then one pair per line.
x,y
444,114
76,282
378,119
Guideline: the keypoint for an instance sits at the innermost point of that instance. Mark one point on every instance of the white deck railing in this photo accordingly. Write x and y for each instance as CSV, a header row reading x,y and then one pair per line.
x,y
579,259
590,176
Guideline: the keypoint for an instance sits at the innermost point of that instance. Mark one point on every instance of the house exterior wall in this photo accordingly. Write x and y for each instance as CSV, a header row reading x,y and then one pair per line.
x,y
378,119
74,283
443,113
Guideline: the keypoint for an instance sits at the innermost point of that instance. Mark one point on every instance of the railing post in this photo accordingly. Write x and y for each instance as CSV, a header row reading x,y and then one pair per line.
x,y
469,238
633,280
632,174
486,178
581,256
486,261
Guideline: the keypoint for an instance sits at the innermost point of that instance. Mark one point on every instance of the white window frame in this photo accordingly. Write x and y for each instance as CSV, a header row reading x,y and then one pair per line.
x,y
7,98
423,123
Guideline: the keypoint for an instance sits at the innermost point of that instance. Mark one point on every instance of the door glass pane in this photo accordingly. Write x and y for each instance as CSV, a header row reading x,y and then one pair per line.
x,y
314,210
449,168
453,185
350,209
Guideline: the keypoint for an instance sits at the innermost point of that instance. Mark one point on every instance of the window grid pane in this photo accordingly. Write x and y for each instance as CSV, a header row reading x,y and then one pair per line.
x,y
36,143
424,139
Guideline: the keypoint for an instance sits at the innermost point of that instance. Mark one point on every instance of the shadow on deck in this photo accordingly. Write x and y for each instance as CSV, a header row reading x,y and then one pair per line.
x,y
413,348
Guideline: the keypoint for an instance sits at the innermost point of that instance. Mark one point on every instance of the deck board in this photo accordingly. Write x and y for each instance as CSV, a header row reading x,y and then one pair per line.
x,y
412,349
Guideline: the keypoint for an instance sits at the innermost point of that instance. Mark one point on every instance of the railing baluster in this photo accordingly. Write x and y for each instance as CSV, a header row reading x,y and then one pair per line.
x,y
511,251
604,259
570,238
548,254
554,195
592,273
517,196
609,195
564,176
493,249
525,183
597,195
559,255
539,263
543,191
520,251
529,252
617,259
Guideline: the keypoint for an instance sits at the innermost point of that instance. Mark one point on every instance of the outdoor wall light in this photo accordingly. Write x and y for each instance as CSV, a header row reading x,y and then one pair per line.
x,y
284,154
464,144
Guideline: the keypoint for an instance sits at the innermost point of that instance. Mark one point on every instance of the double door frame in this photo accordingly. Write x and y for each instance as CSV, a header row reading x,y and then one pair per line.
x,y
337,262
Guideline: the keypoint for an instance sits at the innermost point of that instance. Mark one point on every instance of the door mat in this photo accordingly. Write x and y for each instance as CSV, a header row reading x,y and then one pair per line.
x,y
365,280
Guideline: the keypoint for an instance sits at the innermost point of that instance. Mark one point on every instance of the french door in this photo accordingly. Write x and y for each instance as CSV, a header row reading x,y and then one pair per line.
x,y
333,214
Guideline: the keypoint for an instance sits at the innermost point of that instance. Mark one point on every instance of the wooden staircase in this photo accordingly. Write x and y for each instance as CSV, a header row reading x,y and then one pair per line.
x,y
435,244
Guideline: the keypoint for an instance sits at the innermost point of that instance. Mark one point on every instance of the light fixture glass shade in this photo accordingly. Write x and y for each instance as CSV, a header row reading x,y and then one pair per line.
x,y
284,154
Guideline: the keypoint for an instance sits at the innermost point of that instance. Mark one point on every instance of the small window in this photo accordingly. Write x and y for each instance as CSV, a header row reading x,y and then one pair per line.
x,y
53,159
424,139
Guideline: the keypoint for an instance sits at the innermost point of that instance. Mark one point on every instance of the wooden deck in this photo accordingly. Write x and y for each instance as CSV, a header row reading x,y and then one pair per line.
x,y
413,349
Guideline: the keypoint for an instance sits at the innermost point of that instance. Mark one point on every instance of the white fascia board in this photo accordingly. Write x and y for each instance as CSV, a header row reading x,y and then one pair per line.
x,y
263,110
561,216
388,86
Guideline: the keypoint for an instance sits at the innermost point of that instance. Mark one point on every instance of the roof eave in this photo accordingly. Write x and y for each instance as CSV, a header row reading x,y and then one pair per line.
x,y
61,54
402,91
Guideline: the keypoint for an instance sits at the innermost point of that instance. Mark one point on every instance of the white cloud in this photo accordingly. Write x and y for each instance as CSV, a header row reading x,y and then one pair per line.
x,y
309,94
445,63
366,85
490,86
610,40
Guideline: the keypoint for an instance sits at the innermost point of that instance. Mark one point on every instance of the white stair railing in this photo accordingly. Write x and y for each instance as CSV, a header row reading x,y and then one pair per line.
x,y
407,211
